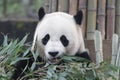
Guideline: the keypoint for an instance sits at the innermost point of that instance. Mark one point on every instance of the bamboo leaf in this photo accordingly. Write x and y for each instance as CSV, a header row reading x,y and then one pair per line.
x,y
26,52
18,59
33,66
5,42
21,43
5,49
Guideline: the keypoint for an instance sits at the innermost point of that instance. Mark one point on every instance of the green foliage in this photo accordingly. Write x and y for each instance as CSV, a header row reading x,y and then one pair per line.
x,y
38,4
80,71
73,68
9,55
17,8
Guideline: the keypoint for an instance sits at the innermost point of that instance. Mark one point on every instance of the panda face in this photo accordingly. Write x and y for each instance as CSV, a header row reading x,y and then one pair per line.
x,y
54,46
58,33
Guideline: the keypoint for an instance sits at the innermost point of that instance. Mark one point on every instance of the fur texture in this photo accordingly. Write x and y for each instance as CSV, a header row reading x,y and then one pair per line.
x,y
56,25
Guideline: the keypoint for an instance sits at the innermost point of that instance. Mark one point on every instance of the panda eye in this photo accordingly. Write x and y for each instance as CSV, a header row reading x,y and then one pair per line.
x,y
45,39
64,40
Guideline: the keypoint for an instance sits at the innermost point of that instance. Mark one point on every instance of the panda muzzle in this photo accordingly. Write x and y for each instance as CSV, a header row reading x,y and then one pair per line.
x,y
53,54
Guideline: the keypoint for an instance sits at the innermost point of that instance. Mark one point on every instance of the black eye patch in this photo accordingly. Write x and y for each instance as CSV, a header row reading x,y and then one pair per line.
x,y
64,40
45,39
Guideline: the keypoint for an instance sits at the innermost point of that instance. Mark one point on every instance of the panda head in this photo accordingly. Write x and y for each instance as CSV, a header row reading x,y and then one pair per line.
x,y
58,33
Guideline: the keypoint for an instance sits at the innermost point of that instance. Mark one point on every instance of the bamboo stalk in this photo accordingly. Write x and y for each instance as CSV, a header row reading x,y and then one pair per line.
x,y
115,56
110,18
114,48
47,6
50,6
73,6
83,7
118,63
101,17
118,58
63,5
91,21
54,5
118,17
98,47
5,7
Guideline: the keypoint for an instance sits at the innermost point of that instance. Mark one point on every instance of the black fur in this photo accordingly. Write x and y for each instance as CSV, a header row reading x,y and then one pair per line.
x,y
64,40
78,17
20,66
45,39
83,55
41,13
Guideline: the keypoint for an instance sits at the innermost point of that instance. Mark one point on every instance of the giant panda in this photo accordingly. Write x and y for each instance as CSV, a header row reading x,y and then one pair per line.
x,y
56,34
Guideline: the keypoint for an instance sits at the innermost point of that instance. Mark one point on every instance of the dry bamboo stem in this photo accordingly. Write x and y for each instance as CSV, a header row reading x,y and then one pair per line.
x,y
63,5
118,64
118,58
83,7
118,17
98,47
114,48
54,5
110,18
101,17
91,21
47,6
114,60
50,6
115,55
73,6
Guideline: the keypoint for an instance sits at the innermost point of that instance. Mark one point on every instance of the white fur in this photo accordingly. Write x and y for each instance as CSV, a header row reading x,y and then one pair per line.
x,y
57,24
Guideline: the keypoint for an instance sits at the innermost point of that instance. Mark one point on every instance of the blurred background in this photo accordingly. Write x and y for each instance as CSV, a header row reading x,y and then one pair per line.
x,y
22,9
18,17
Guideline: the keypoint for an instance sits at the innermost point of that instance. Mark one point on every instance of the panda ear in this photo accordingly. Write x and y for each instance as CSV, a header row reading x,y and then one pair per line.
x,y
78,17
41,13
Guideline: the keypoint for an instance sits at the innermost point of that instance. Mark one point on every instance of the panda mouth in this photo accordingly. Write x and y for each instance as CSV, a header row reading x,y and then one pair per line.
x,y
54,60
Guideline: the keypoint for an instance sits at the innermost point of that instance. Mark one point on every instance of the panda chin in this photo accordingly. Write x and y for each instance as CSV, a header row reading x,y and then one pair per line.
x,y
55,60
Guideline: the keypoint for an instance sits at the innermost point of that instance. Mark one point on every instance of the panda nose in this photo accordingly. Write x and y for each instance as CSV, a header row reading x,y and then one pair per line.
x,y
53,54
